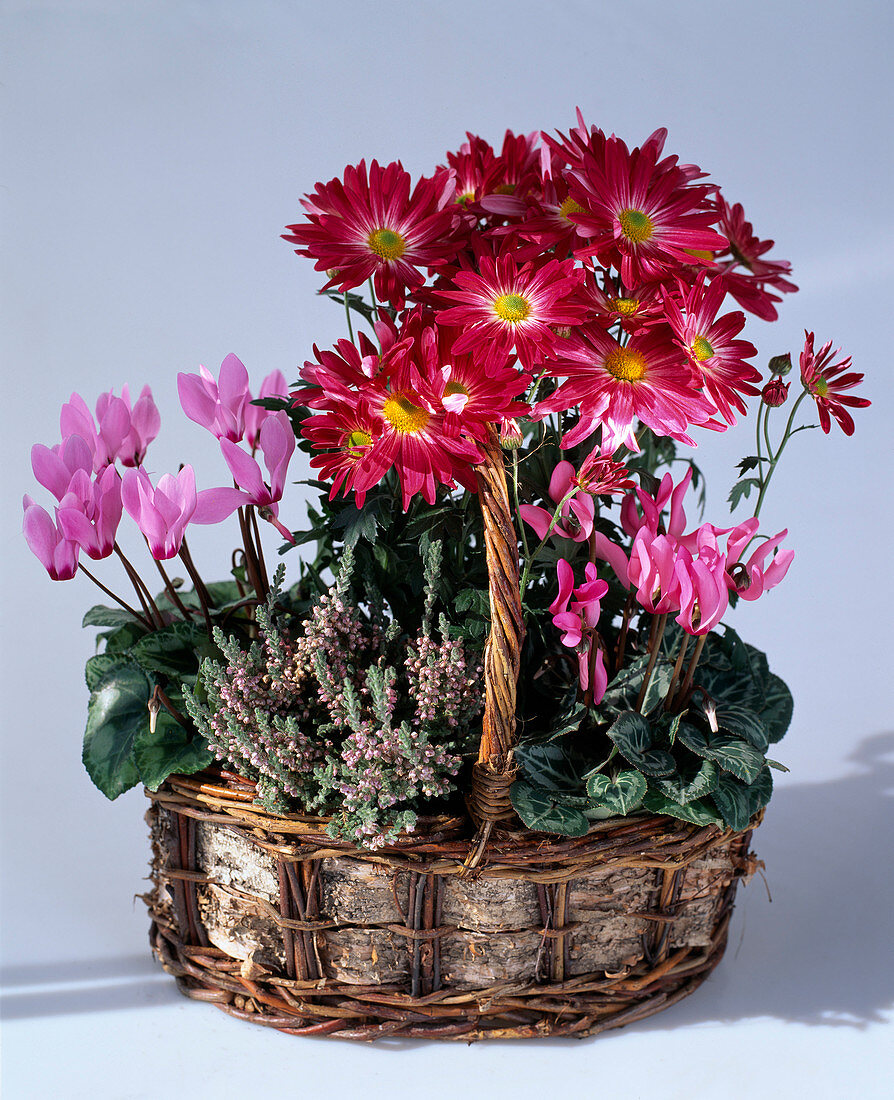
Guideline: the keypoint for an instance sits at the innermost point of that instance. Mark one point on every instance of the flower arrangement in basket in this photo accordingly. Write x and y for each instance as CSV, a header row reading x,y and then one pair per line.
x,y
489,765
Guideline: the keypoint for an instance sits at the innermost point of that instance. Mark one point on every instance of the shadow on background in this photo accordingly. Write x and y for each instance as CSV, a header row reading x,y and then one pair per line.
x,y
819,954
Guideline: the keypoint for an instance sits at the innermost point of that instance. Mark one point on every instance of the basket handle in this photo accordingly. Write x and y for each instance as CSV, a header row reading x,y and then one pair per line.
x,y
492,775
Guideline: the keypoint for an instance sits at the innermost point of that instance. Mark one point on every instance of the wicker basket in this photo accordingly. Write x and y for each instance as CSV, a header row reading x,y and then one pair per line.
x,y
462,930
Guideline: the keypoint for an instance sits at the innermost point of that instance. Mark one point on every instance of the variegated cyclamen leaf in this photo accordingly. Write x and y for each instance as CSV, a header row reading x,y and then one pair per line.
x,y
698,813
743,722
776,707
622,795
691,788
544,811
547,765
731,753
632,735
739,802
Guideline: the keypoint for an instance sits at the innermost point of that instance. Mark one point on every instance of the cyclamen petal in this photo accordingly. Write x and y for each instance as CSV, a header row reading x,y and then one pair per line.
x,y
58,555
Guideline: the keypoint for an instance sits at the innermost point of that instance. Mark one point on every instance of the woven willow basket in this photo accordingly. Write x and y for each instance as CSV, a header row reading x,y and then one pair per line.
x,y
470,927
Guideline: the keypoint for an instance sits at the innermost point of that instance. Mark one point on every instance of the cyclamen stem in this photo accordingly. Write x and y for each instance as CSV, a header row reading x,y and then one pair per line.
x,y
198,584
262,567
159,698
121,603
655,637
172,592
145,596
622,636
678,666
251,560
690,672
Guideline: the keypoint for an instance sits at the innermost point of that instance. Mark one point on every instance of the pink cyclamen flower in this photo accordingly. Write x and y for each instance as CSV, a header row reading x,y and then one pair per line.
x,y
57,554
218,405
54,467
826,381
163,512
577,619
756,576
652,571
576,518
274,385
120,432
90,511
703,592
145,422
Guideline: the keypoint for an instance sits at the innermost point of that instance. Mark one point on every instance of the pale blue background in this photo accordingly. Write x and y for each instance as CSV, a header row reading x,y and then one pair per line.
x,y
153,153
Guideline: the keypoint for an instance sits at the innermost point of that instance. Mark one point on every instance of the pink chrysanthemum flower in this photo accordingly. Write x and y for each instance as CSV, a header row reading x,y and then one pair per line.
x,y
509,306
709,342
346,431
751,288
617,385
338,372
476,170
374,226
641,215
826,380
612,304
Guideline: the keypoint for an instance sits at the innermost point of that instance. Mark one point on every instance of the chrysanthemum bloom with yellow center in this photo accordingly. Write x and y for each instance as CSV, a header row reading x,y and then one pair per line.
x,y
508,306
374,226
708,340
345,431
640,214
612,303
748,276
826,380
615,385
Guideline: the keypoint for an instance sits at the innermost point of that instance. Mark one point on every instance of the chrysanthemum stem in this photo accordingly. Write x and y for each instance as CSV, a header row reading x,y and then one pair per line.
x,y
675,675
121,603
655,637
348,318
786,435
521,522
529,558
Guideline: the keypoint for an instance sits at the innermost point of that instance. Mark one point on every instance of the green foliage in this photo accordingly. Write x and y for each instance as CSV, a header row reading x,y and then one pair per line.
x,y
548,811
738,802
632,735
171,749
697,813
621,795
116,713
732,754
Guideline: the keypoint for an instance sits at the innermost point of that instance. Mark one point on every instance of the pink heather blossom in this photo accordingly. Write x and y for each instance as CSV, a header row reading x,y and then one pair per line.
x,y
576,517
119,433
274,385
90,511
826,381
577,619
218,405
57,554
54,467
163,512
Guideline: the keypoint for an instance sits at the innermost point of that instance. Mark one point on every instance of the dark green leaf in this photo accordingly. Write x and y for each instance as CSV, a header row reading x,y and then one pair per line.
x,y
621,694
633,736
98,667
120,640
356,523
473,600
690,787
739,802
698,813
174,651
741,490
731,753
170,750
743,722
777,708
622,795
545,811
107,616
775,764
750,462
116,713
548,765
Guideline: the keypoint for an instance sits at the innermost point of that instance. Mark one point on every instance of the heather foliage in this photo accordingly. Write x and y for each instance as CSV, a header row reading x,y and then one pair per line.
x,y
340,714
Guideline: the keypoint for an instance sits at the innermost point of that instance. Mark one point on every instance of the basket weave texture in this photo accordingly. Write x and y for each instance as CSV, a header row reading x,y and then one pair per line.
x,y
274,921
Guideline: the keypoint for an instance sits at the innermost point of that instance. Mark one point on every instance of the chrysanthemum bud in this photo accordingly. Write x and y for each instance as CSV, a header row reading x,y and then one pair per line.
x,y
780,365
775,392
510,434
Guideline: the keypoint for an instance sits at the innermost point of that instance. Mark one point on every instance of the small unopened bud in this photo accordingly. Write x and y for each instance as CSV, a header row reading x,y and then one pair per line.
x,y
154,706
510,434
775,392
780,364
332,273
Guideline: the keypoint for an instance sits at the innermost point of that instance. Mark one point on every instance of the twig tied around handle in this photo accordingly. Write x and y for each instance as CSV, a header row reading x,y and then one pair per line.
x,y
493,773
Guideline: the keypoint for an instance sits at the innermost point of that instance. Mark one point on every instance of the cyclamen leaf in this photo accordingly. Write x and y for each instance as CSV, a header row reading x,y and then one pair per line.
x,y
778,706
739,802
170,749
116,713
743,722
690,790
698,813
107,616
98,667
545,811
731,753
622,692
633,736
622,795
547,765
